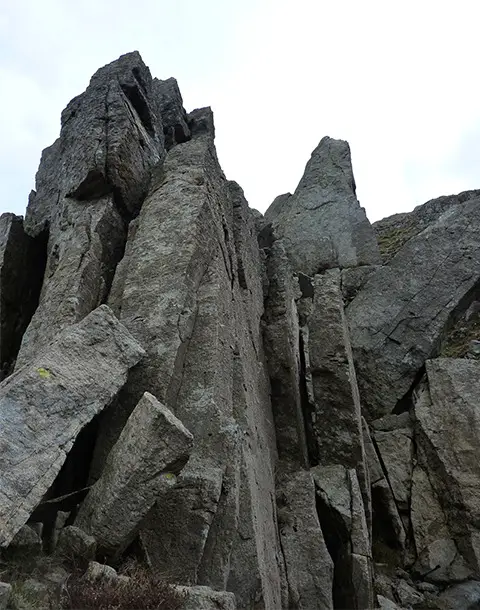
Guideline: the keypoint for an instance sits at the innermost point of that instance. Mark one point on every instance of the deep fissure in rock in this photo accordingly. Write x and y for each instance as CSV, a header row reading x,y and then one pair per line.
x,y
338,544
22,276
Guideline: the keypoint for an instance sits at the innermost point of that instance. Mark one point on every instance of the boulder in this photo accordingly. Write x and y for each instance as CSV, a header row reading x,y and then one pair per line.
x,y
74,543
401,315
322,223
152,449
109,141
45,405
26,542
99,571
204,598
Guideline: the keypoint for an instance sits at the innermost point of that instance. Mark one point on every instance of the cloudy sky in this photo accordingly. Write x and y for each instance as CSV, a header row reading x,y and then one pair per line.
x,y
398,80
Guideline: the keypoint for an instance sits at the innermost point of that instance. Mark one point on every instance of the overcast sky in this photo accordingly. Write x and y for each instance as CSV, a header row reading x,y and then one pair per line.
x,y
398,80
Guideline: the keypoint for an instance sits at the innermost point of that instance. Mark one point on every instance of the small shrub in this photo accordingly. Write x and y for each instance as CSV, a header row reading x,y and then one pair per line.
x,y
144,590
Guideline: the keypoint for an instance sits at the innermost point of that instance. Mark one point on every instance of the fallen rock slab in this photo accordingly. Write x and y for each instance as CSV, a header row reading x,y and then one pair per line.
x,y
151,450
45,405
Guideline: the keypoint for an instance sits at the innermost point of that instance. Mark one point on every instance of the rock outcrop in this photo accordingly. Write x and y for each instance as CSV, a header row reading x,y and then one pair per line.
x,y
322,223
270,412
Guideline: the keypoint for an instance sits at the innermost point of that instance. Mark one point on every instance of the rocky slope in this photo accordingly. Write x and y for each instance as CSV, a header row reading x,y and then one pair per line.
x,y
263,410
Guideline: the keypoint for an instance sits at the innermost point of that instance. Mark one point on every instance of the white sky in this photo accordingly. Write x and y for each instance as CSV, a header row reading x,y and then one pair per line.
x,y
398,80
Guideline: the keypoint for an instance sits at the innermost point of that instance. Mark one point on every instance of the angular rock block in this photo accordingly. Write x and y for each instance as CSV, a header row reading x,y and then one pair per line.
x,y
109,141
152,449
402,313
45,405
322,223
448,440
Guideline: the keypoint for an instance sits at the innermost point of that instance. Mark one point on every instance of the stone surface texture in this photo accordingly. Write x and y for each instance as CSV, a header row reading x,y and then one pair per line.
x,y
45,405
274,412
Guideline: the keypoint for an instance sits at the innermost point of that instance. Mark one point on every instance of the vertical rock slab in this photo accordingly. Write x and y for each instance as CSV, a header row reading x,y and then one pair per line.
x,y
438,558
387,531
309,566
338,426
283,352
22,264
45,405
448,436
83,250
401,315
393,436
152,449
92,178
342,518
170,108
322,223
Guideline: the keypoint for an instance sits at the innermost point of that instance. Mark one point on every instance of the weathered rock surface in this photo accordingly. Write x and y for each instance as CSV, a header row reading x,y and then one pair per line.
x,y
108,143
394,231
448,438
309,567
322,223
173,115
152,449
399,318
45,405
326,465
74,543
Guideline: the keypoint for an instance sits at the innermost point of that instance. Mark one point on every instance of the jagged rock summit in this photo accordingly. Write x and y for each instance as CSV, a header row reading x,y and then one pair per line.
x,y
268,412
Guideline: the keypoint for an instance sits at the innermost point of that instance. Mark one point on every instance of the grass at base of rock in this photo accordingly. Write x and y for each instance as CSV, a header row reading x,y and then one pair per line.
x,y
143,590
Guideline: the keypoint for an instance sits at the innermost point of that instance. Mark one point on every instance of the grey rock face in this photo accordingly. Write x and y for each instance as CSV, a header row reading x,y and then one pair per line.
x,y
448,441
82,253
286,497
73,543
322,224
394,231
46,404
338,426
152,449
401,315
309,567
108,143
89,181
170,108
